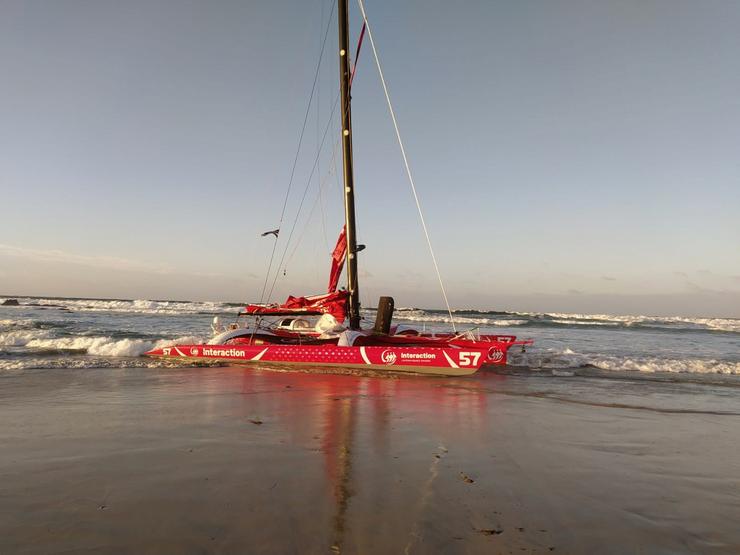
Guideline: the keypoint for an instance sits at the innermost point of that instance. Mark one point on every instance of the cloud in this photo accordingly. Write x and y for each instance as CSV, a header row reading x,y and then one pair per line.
x,y
574,292
107,262
608,278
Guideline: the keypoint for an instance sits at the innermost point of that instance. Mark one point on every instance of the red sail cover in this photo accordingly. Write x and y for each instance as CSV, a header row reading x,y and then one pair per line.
x,y
337,261
332,303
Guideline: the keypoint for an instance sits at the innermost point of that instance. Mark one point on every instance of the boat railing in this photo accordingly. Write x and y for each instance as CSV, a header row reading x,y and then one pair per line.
x,y
468,334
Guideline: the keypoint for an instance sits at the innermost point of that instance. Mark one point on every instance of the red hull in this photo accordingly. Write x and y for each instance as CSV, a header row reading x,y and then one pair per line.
x,y
424,360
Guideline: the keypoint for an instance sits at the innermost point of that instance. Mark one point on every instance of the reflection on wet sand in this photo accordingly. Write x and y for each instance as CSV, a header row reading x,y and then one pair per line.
x,y
245,460
338,452
335,401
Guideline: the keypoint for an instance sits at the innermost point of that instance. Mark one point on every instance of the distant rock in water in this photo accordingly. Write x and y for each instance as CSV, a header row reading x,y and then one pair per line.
x,y
10,302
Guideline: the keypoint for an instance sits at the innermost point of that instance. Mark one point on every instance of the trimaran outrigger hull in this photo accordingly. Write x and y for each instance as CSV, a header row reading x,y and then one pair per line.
x,y
441,361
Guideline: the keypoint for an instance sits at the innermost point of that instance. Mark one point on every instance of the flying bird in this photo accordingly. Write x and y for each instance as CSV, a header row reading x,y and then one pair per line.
x,y
274,232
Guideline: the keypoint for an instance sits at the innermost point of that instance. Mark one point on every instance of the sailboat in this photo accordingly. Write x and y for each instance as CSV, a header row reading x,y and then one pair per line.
x,y
310,331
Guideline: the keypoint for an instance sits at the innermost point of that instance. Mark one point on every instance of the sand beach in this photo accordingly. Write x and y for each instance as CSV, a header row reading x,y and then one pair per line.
x,y
234,460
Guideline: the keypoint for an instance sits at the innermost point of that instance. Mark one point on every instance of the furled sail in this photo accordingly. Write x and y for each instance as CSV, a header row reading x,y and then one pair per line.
x,y
334,303
337,261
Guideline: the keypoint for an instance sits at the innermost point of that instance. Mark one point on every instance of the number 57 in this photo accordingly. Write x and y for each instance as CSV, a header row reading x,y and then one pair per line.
x,y
468,358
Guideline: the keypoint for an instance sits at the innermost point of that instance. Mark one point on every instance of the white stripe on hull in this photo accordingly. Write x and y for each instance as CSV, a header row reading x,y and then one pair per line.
x,y
450,360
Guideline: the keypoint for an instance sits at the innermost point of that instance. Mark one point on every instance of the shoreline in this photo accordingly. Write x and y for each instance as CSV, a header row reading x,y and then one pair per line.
x,y
228,459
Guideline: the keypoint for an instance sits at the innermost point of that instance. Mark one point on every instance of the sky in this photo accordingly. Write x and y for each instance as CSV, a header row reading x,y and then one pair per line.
x,y
570,156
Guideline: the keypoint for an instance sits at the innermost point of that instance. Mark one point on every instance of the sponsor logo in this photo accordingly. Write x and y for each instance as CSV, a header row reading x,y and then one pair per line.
x,y
418,356
194,352
223,352
495,355
390,357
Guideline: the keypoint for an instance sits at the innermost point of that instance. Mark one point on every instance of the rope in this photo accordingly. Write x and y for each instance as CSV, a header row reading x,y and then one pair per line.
x,y
303,198
317,201
405,159
305,191
298,151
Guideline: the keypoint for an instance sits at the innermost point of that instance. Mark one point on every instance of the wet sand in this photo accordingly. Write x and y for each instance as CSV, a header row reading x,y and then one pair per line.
x,y
228,460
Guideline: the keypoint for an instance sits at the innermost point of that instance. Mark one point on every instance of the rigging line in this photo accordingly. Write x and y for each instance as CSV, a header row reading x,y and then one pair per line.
x,y
322,188
323,216
305,191
332,170
298,150
269,267
303,198
405,159
318,106
345,108
316,202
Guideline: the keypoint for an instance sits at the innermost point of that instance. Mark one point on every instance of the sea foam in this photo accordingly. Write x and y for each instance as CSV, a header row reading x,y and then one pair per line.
x,y
567,358
43,340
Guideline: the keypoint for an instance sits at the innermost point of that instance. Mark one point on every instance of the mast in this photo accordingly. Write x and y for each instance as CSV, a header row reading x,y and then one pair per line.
x,y
349,193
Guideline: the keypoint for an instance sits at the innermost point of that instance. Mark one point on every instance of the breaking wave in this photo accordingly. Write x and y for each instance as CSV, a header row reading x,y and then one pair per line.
x,y
137,306
106,346
38,342
21,337
658,322
463,320
553,359
544,319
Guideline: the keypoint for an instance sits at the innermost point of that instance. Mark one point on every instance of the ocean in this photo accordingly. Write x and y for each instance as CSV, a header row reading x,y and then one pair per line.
x,y
59,333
